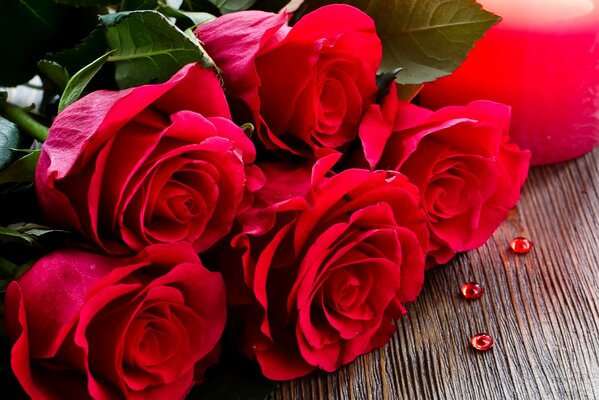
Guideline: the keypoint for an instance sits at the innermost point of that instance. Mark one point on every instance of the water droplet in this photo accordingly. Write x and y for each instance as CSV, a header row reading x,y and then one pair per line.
x,y
482,341
472,290
521,245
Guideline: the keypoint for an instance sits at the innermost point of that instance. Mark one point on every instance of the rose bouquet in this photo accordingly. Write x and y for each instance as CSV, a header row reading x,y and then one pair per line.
x,y
255,186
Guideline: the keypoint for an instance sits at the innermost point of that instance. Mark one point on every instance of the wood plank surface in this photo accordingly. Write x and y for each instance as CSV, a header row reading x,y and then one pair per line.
x,y
542,309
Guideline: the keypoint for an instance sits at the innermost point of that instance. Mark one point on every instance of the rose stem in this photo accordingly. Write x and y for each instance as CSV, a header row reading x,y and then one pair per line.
x,y
24,121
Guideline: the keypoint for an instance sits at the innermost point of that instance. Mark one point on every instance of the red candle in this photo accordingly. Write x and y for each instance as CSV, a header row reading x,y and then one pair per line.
x,y
543,60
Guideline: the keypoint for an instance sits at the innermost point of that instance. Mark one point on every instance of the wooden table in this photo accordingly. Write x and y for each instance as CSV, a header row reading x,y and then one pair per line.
x,y
542,309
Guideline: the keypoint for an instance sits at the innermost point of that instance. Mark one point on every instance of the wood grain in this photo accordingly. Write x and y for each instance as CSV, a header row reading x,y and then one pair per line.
x,y
542,309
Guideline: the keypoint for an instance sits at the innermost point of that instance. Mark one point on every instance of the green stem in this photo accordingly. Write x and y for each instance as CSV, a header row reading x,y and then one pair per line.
x,y
24,121
28,227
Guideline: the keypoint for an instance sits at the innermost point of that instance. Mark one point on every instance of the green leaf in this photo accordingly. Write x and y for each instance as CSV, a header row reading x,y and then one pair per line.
x,y
22,170
149,48
432,38
131,5
199,6
3,96
88,3
199,17
185,19
407,92
79,81
8,235
429,39
26,242
83,53
26,151
229,6
31,28
34,229
56,73
10,138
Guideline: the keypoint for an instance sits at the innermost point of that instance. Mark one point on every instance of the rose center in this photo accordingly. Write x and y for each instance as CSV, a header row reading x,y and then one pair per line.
x,y
183,206
151,347
348,293
331,107
448,193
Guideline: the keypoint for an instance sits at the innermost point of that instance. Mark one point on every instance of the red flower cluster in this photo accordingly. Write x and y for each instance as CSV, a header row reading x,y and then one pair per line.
x,y
318,255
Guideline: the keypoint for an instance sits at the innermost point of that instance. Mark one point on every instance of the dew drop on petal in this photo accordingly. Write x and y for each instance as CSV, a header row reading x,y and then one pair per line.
x,y
521,245
482,341
472,290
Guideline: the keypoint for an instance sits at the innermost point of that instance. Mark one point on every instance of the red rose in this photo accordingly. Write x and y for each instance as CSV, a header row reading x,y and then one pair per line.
x,y
322,279
91,326
306,86
152,164
468,174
